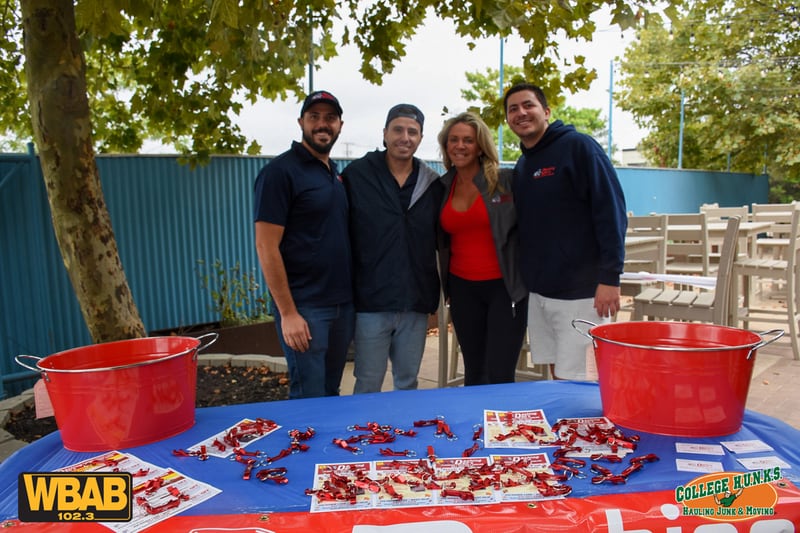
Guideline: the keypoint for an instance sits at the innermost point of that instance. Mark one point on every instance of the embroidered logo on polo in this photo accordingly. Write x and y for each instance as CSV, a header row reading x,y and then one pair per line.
x,y
544,172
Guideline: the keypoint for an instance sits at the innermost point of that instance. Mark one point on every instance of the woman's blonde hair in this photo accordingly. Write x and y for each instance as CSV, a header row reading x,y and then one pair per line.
x,y
489,160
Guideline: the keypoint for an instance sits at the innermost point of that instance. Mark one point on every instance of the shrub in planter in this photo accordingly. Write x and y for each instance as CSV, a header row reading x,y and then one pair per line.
x,y
236,295
245,324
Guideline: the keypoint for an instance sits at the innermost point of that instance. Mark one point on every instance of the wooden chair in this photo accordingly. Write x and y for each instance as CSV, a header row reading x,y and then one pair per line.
x,y
715,213
653,259
690,305
773,208
775,241
688,245
784,270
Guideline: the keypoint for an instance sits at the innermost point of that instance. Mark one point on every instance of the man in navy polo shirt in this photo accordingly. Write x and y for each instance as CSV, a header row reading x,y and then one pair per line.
x,y
301,228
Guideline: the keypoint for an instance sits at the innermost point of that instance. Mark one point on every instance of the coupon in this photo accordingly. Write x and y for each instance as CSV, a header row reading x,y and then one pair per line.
x,y
343,486
404,483
453,476
700,449
517,429
527,477
747,446
691,465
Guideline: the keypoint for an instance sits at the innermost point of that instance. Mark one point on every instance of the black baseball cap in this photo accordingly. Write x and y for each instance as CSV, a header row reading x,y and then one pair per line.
x,y
407,111
321,96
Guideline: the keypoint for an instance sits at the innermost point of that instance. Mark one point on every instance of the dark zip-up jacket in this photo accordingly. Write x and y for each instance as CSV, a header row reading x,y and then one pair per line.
x,y
503,221
394,249
571,212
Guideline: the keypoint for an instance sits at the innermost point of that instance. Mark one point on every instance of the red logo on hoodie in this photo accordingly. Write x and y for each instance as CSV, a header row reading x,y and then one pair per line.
x,y
544,172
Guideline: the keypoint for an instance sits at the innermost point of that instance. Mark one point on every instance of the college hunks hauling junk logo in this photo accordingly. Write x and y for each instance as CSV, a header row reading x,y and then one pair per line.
x,y
730,496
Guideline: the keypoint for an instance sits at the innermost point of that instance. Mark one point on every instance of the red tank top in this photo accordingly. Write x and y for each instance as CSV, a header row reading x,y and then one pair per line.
x,y
472,252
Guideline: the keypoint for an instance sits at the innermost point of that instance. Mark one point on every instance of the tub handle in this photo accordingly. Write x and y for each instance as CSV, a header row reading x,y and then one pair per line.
x,y
213,336
778,333
20,363
36,369
584,333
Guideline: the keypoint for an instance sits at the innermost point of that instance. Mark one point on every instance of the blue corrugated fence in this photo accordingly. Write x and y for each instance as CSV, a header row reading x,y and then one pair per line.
x,y
167,216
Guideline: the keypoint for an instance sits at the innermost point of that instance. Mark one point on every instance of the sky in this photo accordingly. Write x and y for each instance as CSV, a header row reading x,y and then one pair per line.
x,y
430,76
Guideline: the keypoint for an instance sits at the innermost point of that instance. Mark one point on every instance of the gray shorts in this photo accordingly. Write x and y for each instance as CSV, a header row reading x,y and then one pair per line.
x,y
553,340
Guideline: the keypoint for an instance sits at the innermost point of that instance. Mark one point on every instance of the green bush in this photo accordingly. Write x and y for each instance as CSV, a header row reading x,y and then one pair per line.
x,y
236,295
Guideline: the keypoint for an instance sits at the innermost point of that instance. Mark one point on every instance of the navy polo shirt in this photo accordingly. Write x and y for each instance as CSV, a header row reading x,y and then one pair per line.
x,y
297,191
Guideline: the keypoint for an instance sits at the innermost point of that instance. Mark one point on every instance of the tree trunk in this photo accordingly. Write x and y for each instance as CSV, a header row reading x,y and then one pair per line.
x,y
56,74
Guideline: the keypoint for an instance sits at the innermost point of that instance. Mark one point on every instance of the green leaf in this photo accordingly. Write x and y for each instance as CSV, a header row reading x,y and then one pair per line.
x,y
225,12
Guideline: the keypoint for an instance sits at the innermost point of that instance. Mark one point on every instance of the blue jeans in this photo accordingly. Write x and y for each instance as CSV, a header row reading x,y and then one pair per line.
x,y
380,337
318,371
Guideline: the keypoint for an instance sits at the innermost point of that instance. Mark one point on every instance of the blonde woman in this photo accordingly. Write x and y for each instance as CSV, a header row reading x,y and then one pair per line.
x,y
478,253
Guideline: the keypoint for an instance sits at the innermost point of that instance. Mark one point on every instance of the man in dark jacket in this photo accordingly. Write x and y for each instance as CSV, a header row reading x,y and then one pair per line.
x,y
572,222
394,203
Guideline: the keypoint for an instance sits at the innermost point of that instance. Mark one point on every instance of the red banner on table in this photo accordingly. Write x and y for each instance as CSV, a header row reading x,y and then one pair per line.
x,y
632,513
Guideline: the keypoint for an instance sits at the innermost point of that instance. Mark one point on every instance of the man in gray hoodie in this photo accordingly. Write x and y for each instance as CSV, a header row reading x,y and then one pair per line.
x,y
394,204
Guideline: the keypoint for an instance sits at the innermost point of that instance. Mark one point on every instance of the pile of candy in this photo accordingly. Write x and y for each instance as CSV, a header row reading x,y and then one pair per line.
x,y
351,485
247,431
463,482
236,436
385,434
599,441
606,475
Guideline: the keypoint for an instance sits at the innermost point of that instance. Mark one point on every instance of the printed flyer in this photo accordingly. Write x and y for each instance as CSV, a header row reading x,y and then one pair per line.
x,y
391,484
517,429
158,493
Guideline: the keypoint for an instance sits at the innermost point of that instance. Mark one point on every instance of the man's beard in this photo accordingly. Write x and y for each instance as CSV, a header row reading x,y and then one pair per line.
x,y
320,148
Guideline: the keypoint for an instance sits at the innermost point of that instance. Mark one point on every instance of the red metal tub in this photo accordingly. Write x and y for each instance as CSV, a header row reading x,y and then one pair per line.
x,y
674,378
122,394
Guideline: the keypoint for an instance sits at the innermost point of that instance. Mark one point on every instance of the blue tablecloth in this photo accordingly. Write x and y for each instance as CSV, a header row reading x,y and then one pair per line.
x,y
330,417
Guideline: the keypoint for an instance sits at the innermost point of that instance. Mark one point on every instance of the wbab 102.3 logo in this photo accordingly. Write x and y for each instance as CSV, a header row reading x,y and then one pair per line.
x,y
730,496
76,496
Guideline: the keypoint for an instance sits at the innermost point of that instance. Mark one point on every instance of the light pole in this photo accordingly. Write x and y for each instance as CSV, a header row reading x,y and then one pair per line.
x,y
311,68
311,56
680,132
610,105
500,127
